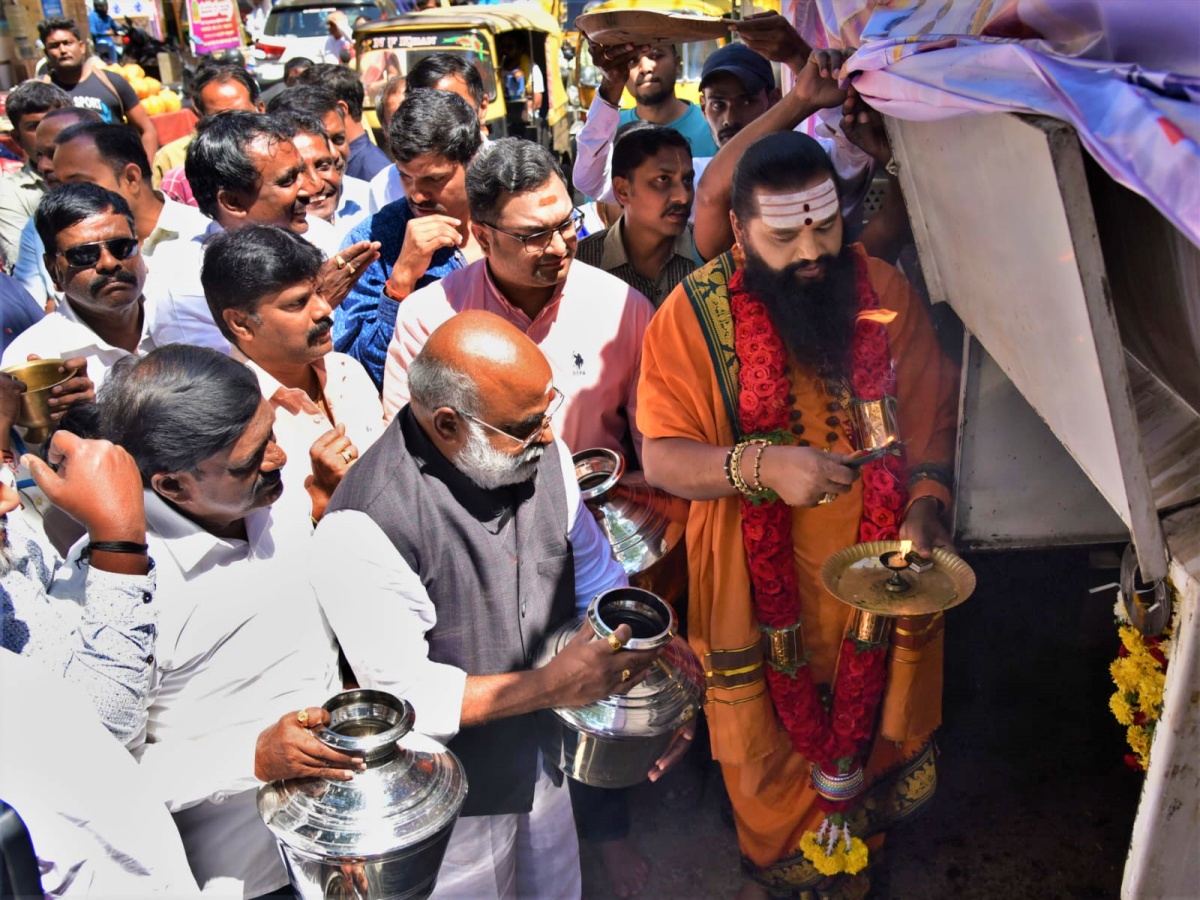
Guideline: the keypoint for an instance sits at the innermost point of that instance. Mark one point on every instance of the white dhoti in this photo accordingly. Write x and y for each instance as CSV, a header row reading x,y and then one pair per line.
x,y
533,855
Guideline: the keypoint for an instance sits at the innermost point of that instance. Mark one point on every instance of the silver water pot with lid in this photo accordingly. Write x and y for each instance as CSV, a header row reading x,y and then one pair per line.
x,y
644,525
382,834
614,742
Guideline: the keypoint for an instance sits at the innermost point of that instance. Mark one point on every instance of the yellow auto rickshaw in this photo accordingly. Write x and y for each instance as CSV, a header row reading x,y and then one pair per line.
x,y
505,42
587,75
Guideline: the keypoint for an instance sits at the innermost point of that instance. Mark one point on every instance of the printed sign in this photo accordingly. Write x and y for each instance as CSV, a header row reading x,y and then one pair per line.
x,y
215,25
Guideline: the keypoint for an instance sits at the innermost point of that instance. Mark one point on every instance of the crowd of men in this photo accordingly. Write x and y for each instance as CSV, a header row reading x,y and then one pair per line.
x,y
319,402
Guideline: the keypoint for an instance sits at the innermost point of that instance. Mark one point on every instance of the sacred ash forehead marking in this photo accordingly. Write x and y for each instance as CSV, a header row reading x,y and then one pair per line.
x,y
799,208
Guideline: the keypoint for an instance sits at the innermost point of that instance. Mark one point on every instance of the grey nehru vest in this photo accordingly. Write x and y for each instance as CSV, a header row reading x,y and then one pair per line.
x,y
499,570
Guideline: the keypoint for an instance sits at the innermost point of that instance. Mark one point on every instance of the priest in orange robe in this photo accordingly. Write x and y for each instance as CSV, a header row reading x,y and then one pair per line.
x,y
763,375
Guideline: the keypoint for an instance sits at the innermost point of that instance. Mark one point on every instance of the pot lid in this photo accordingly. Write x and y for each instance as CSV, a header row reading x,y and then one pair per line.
x,y
412,789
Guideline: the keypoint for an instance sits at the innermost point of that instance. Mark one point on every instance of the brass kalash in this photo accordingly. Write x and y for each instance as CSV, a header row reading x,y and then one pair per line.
x,y
40,377
887,580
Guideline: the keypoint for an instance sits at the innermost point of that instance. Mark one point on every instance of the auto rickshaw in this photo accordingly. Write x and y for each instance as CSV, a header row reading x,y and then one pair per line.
x,y
503,41
587,75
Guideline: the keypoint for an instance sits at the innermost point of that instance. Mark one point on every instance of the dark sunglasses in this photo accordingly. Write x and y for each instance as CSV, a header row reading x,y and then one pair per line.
x,y
84,256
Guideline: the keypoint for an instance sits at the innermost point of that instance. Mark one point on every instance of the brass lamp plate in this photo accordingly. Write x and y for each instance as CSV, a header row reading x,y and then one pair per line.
x,y
856,576
643,26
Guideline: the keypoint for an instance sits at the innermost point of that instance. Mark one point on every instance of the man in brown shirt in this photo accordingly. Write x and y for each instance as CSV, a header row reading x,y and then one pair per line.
x,y
650,247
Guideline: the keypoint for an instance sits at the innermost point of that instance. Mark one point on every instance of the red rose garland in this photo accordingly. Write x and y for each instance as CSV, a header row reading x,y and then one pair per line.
x,y
831,739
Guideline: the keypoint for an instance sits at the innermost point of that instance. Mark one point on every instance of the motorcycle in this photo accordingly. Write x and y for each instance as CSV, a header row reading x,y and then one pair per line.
x,y
140,47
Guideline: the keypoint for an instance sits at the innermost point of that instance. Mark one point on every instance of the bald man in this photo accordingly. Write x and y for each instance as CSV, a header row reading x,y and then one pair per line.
x,y
465,539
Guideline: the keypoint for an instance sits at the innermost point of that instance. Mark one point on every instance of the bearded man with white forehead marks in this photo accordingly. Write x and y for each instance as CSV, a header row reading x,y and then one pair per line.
x,y
766,375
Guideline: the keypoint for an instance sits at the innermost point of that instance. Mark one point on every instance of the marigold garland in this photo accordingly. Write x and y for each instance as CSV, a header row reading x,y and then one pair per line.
x,y
1139,673
832,739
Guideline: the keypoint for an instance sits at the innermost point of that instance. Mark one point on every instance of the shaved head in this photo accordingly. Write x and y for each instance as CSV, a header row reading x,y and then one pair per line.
x,y
481,390
496,357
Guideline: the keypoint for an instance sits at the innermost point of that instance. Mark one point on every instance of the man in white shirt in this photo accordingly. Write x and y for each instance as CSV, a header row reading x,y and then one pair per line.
x,y
450,72
244,167
340,200
467,542
261,285
95,830
93,256
112,157
242,642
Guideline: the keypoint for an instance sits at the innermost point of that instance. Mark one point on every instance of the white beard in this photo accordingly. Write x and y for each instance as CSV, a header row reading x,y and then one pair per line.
x,y
491,468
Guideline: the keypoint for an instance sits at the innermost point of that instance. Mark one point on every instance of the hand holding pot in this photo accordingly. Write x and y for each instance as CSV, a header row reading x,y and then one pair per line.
x,y
589,668
680,744
289,750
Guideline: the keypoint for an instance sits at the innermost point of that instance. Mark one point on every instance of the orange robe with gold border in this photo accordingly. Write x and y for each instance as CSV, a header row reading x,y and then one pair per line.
x,y
679,396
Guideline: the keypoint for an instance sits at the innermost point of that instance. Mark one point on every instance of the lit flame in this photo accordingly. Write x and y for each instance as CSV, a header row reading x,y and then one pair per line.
x,y
905,548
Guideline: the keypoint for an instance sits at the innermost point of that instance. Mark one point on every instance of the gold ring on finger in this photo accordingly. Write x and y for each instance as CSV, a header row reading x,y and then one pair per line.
x,y
348,455
615,642
302,718
350,266
625,673
828,498
341,263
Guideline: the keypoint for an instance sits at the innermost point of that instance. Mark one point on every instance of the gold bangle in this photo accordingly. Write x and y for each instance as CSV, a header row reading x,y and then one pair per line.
x,y
738,452
735,468
758,485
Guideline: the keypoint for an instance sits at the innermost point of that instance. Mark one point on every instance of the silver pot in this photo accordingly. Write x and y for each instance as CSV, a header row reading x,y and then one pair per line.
x,y
382,834
616,741
644,525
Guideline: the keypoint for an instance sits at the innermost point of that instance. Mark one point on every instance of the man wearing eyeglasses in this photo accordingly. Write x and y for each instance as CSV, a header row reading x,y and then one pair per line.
x,y
588,323
93,256
465,538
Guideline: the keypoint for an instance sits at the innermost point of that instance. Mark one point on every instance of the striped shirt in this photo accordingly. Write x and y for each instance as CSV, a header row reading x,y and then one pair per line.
x,y
606,250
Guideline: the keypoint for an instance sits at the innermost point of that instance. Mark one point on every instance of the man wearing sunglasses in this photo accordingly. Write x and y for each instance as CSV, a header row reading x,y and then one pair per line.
x,y
588,324
93,256
464,535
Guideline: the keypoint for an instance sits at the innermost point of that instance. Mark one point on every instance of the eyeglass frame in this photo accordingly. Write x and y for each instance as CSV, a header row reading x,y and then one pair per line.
x,y
551,411
575,219
105,246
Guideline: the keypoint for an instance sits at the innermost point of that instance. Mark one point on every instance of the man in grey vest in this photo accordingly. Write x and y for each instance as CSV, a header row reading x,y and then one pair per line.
x,y
452,546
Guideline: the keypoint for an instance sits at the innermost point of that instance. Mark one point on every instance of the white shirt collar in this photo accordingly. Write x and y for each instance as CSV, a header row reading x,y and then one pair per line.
x,y
196,550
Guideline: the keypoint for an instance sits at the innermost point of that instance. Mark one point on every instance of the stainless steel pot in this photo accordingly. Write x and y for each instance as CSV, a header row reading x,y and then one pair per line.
x,y
615,742
382,834
644,525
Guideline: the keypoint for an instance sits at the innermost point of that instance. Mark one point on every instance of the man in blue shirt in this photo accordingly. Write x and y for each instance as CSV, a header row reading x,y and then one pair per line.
x,y
423,236
100,22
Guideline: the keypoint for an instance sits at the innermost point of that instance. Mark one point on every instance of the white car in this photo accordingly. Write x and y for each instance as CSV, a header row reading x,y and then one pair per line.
x,y
297,28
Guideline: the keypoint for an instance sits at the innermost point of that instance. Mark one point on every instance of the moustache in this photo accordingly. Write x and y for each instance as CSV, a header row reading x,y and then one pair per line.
x,y
680,208
727,133
103,281
825,260
268,481
318,331
427,209
300,207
